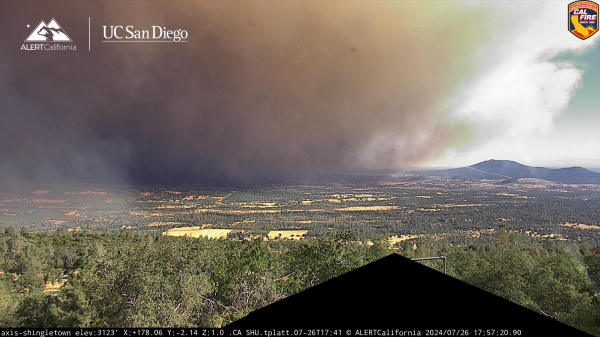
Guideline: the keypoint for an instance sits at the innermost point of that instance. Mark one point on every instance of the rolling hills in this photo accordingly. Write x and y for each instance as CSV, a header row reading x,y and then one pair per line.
x,y
511,170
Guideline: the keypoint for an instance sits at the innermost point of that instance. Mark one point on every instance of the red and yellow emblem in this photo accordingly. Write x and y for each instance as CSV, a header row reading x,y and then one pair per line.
x,y
583,18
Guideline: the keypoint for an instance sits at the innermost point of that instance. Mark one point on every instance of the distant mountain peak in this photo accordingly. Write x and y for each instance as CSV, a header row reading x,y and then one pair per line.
x,y
508,169
499,163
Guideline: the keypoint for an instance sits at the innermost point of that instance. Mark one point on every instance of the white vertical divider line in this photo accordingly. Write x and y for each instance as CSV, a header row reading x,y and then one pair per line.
x,y
89,33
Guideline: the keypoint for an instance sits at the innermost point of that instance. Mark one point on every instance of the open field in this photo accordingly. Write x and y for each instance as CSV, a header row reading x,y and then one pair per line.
x,y
395,206
580,226
287,235
195,232
393,240
367,208
53,287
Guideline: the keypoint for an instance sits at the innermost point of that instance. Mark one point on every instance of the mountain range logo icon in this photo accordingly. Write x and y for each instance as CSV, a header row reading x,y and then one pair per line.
x,y
51,32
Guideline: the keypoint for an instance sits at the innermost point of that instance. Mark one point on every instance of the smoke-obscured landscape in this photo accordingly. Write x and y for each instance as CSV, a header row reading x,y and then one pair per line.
x,y
260,91
283,144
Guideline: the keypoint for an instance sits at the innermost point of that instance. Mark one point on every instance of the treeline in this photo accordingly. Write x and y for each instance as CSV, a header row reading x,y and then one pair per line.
x,y
135,279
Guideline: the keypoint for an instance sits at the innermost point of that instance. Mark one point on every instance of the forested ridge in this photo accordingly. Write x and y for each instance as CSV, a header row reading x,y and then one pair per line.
x,y
129,279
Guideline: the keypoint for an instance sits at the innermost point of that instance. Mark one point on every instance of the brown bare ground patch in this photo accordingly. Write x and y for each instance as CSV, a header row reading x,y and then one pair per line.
x,y
554,236
204,210
173,207
395,239
253,237
429,209
72,213
57,222
250,211
85,192
163,223
197,231
288,234
261,205
367,208
220,199
477,233
545,236
37,201
462,205
40,192
534,183
516,196
579,226
50,288
48,201
245,221
145,214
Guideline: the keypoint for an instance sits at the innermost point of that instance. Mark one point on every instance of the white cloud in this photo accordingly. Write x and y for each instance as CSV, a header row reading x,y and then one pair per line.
x,y
518,90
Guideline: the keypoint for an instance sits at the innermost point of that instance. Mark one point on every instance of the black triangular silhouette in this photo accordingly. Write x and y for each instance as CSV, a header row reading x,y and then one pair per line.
x,y
397,293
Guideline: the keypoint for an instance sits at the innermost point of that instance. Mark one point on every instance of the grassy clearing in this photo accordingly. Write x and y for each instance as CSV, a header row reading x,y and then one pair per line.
x,y
197,231
545,236
579,226
514,195
367,208
163,223
51,288
85,193
289,235
57,222
396,239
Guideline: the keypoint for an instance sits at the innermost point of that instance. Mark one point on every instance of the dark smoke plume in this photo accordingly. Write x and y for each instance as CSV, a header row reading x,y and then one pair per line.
x,y
261,90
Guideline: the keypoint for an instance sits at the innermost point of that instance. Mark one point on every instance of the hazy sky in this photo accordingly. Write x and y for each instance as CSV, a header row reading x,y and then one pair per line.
x,y
276,89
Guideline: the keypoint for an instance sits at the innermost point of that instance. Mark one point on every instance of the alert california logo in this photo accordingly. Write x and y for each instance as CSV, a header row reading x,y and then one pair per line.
x,y
50,36
583,19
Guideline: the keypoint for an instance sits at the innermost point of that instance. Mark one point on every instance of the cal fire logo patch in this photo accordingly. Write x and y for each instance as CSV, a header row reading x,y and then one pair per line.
x,y
583,18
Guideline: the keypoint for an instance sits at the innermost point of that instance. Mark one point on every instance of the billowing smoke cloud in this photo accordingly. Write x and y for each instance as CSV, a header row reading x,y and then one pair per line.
x,y
520,87
261,90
